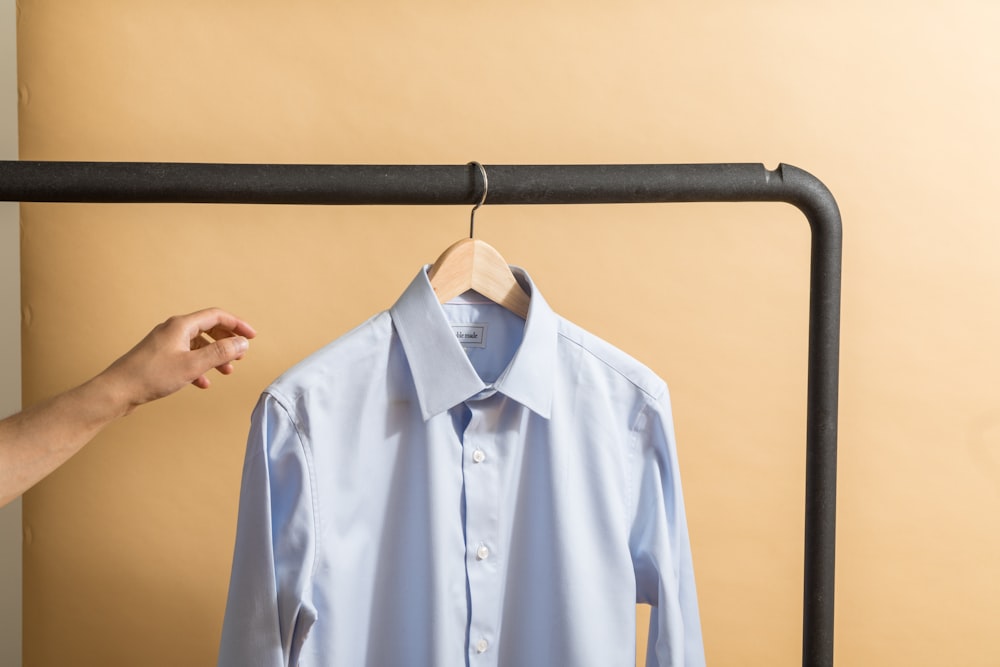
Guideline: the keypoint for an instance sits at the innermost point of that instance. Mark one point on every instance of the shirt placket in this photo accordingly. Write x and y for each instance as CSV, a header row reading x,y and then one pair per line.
x,y
482,557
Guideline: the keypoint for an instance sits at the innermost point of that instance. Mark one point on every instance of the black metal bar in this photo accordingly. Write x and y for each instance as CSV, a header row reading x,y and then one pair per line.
x,y
820,208
144,182
165,182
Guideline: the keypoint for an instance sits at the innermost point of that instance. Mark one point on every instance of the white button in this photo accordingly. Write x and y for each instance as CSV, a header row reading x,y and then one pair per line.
x,y
479,456
482,645
482,553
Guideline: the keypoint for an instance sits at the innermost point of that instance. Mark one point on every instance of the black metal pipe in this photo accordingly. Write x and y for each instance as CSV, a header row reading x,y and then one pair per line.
x,y
820,208
166,182
145,182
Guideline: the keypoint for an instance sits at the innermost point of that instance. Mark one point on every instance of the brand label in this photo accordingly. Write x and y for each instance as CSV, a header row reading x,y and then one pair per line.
x,y
470,335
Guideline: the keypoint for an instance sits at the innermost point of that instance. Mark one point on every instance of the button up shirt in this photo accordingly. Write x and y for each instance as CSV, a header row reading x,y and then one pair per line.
x,y
453,485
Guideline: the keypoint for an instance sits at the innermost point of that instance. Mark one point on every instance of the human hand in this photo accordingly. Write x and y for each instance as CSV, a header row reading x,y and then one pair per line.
x,y
178,352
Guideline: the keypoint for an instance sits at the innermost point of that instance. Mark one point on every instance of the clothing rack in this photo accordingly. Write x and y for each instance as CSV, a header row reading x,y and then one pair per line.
x,y
147,182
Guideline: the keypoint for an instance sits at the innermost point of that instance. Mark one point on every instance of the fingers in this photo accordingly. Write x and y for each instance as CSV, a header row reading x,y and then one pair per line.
x,y
210,338
217,320
229,349
202,382
218,355
200,342
179,351
229,333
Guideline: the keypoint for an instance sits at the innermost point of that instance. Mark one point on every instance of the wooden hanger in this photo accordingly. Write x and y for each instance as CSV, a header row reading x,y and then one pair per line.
x,y
476,265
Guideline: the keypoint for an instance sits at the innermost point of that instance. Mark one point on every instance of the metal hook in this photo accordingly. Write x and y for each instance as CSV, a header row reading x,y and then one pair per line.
x,y
472,216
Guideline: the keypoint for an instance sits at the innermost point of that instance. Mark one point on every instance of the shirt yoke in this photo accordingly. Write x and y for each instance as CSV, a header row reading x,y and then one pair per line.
x,y
350,355
634,372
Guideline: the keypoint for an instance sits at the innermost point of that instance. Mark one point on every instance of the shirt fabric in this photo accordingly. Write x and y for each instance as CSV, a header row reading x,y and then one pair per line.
x,y
453,485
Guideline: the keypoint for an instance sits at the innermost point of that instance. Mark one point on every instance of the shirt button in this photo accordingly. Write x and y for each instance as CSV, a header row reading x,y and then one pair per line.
x,y
482,645
482,553
479,456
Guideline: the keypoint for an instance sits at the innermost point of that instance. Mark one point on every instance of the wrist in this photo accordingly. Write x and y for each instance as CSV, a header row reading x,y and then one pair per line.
x,y
112,391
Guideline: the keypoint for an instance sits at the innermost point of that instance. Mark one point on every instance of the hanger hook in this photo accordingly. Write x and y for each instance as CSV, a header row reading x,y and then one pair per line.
x,y
482,200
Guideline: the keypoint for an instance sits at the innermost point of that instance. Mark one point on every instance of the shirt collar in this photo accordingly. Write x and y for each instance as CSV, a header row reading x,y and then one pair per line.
x,y
442,373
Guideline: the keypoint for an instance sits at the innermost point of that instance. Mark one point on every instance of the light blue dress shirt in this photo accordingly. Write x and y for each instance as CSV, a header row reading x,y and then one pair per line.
x,y
452,485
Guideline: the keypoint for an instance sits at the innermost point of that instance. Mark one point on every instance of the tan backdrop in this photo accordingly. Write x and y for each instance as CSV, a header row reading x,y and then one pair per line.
x,y
892,104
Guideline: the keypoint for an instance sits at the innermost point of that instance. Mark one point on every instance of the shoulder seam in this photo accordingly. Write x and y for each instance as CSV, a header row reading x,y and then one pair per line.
x,y
661,384
281,400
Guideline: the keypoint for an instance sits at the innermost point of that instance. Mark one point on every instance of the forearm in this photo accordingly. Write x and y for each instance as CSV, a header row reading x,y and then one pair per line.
x,y
175,353
35,442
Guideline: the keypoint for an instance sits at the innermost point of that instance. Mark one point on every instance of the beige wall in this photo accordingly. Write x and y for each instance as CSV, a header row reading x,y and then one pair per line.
x,y
893,105
10,344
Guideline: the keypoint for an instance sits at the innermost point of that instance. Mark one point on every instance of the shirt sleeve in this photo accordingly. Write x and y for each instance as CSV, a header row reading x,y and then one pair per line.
x,y
268,612
659,543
